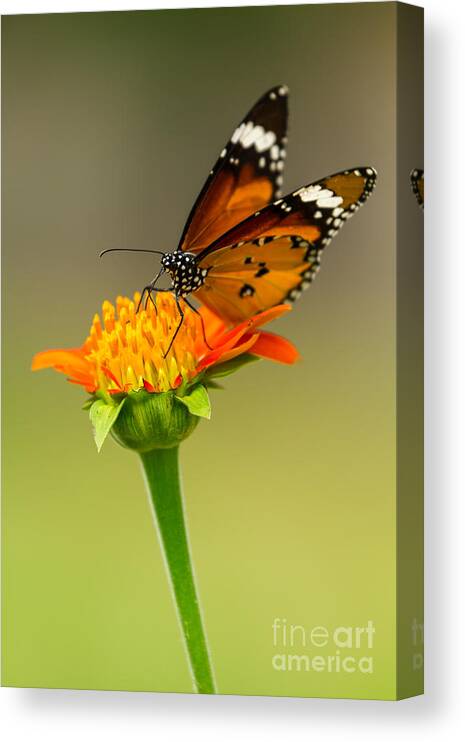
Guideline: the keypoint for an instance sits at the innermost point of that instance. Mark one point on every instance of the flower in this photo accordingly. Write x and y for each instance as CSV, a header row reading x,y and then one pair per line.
x,y
125,351
148,377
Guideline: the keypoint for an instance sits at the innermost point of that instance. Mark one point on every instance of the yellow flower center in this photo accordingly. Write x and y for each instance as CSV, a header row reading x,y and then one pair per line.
x,y
127,348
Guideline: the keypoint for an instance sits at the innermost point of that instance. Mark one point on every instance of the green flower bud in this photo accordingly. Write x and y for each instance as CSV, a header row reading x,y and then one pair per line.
x,y
148,421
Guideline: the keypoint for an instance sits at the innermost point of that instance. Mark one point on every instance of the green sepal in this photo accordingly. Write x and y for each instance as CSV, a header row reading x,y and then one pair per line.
x,y
88,403
197,401
229,367
152,420
103,416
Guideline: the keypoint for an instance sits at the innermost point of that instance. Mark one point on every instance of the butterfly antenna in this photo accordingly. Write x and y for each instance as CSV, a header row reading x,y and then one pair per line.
x,y
129,249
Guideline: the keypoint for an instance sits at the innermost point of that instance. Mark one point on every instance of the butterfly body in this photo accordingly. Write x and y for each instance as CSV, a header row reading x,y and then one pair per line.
x,y
185,274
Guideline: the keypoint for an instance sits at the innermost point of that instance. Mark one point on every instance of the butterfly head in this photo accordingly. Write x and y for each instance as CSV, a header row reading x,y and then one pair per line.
x,y
184,272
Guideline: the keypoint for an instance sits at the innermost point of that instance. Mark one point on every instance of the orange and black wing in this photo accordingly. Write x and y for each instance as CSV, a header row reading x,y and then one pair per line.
x,y
417,179
274,254
247,175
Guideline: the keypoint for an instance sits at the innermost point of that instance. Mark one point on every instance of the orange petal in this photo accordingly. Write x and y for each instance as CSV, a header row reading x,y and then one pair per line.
x,y
258,320
226,353
213,324
269,314
70,362
229,340
91,388
72,358
239,349
276,348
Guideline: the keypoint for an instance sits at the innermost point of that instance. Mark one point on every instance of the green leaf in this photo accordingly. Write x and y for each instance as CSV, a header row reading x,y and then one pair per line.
x,y
229,367
88,403
197,401
103,416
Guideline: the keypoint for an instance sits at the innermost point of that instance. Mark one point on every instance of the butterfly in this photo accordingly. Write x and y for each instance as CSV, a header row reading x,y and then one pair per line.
x,y
245,247
417,179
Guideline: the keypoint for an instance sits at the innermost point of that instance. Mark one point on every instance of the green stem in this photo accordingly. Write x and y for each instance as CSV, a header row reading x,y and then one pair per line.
x,y
161,470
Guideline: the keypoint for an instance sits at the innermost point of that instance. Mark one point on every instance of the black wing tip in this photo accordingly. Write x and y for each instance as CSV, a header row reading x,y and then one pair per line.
x,y
276,92
371,174
416,174
368,171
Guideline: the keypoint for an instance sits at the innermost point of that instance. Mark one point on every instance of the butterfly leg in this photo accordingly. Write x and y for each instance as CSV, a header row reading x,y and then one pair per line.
x,y
181,320
150,297
148,290
194,309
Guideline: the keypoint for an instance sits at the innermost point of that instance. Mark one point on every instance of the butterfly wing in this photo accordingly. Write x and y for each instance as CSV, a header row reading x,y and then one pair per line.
x,y
417,179
273,255
246,176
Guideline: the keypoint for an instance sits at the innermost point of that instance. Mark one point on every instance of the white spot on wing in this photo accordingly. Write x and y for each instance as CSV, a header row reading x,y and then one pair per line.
x,y
329,202
265,142
238,133
248,135
274,152
308,194
251,134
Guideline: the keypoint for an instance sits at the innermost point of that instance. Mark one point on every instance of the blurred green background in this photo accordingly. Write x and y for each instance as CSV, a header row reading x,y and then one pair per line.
x,y
111,123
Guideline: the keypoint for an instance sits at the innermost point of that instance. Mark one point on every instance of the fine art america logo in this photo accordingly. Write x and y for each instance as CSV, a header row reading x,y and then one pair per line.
x,y
346,649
